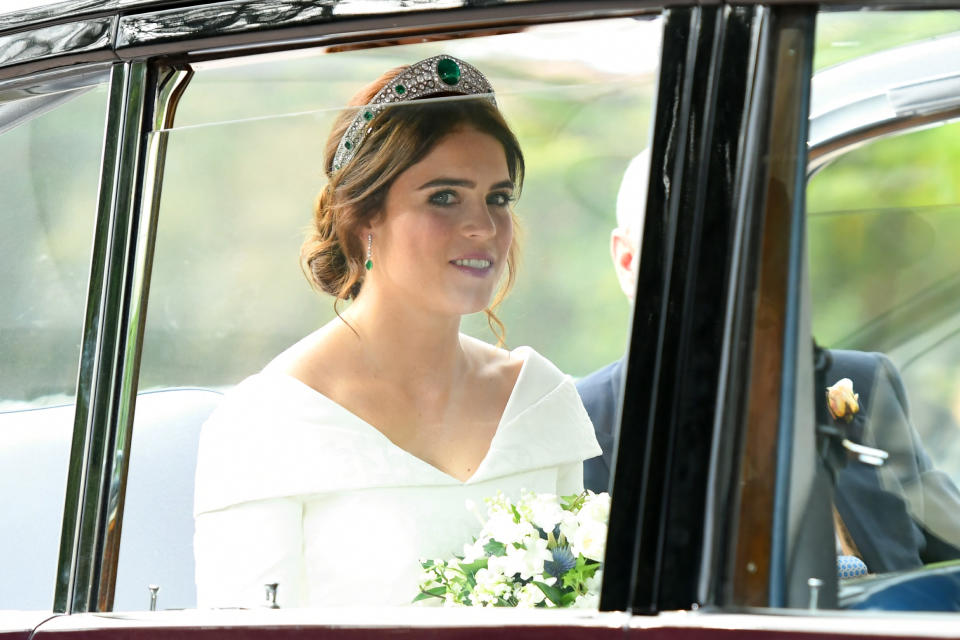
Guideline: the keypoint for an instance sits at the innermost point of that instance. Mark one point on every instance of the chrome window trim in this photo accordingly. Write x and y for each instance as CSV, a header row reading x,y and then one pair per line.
x,y
136,30
35,95
10,20
252,25
56,81
98,454
894,91
37,45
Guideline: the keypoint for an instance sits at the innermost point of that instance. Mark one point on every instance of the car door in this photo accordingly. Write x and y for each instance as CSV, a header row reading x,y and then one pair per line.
x,y
175,241
51,127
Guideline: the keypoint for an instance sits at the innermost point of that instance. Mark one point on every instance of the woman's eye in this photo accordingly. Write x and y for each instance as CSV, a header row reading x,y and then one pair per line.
x,y
500,199
443,198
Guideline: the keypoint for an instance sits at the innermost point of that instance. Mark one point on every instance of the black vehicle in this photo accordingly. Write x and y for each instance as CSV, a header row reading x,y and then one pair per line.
x,y
158,160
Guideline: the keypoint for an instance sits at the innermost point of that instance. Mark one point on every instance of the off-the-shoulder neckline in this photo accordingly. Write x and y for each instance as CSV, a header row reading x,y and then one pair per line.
x,y
524,353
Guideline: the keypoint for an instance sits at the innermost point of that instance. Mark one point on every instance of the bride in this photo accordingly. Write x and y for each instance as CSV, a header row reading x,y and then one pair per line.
x,y
352,455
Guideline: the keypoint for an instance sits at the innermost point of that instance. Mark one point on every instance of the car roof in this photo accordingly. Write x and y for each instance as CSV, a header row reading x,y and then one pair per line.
x,y
26,14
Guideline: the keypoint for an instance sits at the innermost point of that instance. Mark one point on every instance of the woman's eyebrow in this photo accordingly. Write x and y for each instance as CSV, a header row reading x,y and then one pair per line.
x,y
448,182
458,182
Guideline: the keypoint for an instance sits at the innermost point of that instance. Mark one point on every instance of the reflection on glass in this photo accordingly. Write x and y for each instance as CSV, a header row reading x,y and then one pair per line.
x,y
845,35
49,172
883,224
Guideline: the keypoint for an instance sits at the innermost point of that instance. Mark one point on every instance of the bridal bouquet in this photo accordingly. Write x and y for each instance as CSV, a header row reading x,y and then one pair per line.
x,y
543,551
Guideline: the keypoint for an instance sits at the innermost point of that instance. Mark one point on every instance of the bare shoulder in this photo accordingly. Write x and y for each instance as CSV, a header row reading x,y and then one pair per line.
x,y
315,360
492,363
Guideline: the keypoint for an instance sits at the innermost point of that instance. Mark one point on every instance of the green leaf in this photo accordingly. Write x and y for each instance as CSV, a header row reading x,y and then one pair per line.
x,y
555,595
573,503
436,592
470,570
568,599
580,573
494,548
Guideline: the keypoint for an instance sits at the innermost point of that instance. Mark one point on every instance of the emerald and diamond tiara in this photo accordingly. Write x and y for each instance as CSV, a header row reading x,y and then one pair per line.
x,y
437,75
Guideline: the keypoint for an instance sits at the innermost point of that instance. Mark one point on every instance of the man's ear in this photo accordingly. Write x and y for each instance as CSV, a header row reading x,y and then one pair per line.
x,y
623,250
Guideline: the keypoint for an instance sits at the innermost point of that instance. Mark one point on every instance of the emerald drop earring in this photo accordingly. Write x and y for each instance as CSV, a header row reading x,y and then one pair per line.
x,y
369,263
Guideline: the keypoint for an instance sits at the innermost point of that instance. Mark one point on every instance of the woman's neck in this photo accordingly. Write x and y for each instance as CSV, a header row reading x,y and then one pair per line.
x,y
407,343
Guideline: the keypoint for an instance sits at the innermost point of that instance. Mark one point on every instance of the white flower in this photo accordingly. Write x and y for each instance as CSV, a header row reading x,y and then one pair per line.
x,y
596,508
568,525
590,540
587,601
594,582
473,551
491,585
545,511
529,596
842,402
528,561
502,528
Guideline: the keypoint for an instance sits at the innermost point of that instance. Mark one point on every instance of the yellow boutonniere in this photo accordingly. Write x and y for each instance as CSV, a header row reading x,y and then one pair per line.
x,y
842,401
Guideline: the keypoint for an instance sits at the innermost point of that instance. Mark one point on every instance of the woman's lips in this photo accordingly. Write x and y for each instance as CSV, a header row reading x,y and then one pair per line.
x,y
478,266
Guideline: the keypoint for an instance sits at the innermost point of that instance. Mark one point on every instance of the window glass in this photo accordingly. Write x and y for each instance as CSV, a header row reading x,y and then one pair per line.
x,y
243,168
883,227
846,35
49,171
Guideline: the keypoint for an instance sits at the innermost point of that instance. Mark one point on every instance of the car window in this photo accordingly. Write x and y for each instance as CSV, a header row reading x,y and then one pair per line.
x,y
243,168
883,218
51,135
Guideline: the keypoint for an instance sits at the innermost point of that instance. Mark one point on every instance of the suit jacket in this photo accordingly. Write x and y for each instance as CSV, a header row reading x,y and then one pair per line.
x,y
900,516
905,513
600,393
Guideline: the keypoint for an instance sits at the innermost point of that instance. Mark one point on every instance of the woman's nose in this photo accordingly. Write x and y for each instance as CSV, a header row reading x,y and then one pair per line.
x,y
479,220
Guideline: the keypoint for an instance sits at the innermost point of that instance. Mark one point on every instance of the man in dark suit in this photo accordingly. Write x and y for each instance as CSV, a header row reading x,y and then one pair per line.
x,y
899,516
904,513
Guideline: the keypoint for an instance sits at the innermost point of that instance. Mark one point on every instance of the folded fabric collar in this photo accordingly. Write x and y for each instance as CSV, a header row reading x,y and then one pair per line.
x,y
273,436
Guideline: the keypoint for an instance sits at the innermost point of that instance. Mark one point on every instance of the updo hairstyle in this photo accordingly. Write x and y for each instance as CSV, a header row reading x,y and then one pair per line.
x,y
333,254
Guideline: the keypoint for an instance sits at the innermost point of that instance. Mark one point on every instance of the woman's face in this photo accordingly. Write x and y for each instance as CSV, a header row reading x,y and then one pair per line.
x,y
443,239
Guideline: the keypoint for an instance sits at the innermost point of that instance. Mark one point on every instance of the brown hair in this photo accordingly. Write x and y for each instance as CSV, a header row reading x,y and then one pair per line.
x,y
332,255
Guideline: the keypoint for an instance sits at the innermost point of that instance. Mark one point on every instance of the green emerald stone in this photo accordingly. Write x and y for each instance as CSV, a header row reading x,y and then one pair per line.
x,y
368,264
368,115
400,89
449,71
347,145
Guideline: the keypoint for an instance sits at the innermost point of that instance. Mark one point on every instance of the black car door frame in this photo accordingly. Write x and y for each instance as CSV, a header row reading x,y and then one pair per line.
x,y
695,389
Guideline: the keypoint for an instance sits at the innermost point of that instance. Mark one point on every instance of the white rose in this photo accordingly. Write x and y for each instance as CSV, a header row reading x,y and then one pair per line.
x,y
596,508
590,540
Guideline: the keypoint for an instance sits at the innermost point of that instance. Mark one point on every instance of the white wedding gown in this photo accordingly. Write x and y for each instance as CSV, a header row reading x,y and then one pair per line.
x,y
293,488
